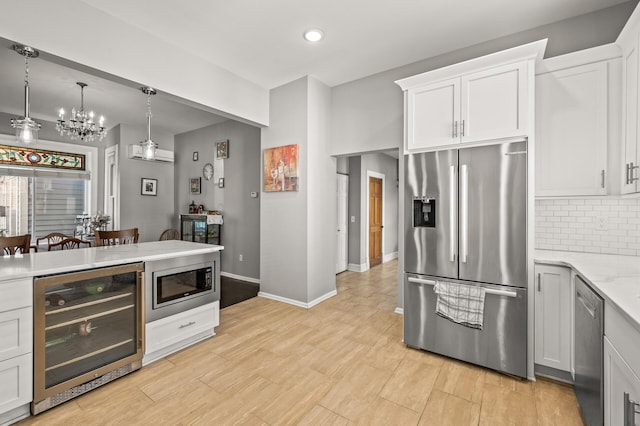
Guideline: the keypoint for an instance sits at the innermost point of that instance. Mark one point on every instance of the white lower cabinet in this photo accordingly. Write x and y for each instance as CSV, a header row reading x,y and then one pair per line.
x,y
619,379
16,349
176,332
553,317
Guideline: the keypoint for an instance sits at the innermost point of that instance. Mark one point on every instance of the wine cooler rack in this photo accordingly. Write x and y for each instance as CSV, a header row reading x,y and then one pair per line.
x,y
88,328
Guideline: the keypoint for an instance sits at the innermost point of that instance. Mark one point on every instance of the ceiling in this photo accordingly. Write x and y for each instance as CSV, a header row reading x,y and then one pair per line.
x,y
262,42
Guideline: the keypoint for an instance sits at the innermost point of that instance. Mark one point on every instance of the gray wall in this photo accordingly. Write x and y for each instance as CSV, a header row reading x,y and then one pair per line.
x,y
283,219
150,214
241,230
367,114
355,183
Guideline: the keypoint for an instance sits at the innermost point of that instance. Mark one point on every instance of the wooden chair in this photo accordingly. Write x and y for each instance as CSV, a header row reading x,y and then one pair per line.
x,y
20,243
112,238
170,234
52,238
69,243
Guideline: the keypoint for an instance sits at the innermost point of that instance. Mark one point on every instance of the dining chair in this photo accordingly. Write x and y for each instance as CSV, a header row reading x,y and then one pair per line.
x,y
52,238
13,245
170,234
112,238
69,243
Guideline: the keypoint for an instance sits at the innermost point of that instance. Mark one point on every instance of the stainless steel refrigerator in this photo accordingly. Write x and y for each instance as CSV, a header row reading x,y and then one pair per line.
x,y
466,222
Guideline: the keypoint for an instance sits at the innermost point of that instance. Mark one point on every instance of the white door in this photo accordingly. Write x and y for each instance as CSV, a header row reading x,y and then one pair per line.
x,y
341,238
630,127
433,114
618,380
112,186
571,131
553,315
494,103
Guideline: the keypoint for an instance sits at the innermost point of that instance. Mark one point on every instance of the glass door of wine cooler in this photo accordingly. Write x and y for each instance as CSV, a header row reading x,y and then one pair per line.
x,y
86,324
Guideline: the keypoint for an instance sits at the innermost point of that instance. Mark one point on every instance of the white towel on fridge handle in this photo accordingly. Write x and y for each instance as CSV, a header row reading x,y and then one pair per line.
x,y
460,303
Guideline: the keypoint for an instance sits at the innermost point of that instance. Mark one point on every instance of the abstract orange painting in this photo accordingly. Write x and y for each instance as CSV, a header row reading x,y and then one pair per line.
x,y
280,169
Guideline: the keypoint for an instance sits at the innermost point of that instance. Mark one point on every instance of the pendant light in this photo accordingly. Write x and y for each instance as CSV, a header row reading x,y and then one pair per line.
x,y
26,127
148,146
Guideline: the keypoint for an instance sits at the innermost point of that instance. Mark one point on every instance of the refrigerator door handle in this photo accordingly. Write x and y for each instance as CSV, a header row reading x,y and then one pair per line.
x,y
464,212
452,214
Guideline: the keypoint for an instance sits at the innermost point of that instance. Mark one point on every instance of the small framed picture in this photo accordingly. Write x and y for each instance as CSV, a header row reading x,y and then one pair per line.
x,y
195,155
195,185
222,149
149,186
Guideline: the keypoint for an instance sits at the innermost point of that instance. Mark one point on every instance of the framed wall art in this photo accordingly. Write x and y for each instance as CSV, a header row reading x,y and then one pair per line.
x,y
280,169
194,184
222,149
149,186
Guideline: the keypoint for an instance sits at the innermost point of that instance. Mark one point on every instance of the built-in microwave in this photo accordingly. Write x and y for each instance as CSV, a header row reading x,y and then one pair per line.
x,y
179,284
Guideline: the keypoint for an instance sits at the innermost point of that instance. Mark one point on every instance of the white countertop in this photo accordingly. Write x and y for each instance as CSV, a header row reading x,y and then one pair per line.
x,y
615,277
55,262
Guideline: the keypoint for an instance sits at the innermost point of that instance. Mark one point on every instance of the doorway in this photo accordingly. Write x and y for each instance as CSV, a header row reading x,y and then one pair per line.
x,y
375,220
112,186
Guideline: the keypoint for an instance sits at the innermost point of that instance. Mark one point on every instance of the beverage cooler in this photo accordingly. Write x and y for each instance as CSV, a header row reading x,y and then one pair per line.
x,y
201,228
87,331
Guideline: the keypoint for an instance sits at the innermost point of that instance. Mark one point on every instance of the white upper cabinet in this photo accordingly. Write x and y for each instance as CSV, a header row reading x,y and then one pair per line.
x,y
494,103
571,131
435,115
629,43
478,100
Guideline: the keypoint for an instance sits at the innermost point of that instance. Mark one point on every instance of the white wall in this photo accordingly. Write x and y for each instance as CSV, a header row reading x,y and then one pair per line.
x,y
75,34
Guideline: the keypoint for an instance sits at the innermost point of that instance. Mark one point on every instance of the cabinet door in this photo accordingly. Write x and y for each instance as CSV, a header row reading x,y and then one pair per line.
x,y
432,115
553,308
571,131
618,380
630,116
494,103
16,377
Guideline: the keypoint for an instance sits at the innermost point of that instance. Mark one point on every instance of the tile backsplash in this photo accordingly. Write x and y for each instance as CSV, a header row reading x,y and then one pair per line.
x,y
594,225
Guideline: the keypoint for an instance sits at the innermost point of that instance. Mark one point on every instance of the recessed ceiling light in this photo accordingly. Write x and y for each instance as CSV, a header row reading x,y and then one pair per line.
x,y
313,35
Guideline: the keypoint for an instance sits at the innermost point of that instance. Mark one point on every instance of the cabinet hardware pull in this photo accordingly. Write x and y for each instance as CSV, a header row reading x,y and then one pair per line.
x,y
462,129
190,323
602,178
631,408
455,129
631,169
538,281
626,174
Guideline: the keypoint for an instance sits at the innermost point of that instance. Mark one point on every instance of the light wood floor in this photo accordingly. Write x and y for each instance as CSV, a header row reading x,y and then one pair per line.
x,y
342,362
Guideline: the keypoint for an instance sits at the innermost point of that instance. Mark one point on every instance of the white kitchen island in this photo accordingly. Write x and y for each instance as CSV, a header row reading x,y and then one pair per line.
x,y
17,310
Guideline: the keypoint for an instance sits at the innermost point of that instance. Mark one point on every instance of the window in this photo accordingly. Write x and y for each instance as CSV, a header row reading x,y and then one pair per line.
x,y
40,201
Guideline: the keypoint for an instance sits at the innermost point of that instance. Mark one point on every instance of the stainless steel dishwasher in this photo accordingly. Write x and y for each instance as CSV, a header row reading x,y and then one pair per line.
x,y
589,331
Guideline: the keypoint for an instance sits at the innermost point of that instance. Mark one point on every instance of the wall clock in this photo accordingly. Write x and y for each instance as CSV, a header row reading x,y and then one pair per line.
x,y
207,171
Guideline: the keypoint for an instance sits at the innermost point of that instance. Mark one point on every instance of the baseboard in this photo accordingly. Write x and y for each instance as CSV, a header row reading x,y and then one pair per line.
x,y
355,267
240,277
390,256
399,310
297,302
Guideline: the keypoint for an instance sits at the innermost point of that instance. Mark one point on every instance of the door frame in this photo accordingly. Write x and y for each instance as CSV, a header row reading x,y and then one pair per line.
x,y
376,175
346,231
111,158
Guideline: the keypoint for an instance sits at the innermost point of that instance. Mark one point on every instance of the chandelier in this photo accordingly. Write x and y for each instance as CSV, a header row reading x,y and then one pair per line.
x,y
148,146
26,127
81,125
